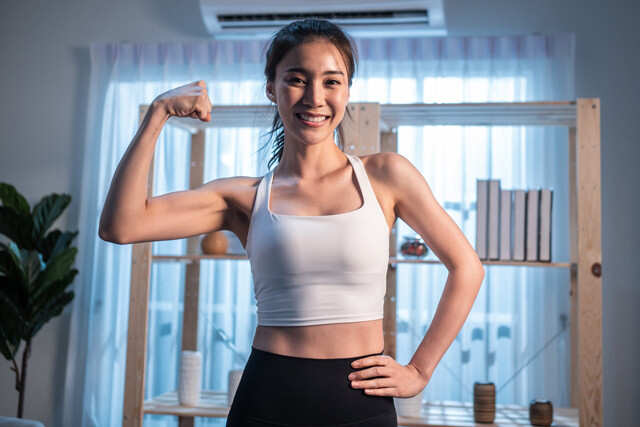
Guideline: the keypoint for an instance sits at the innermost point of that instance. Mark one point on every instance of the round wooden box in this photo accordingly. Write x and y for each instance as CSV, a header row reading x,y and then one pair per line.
x,y
484,402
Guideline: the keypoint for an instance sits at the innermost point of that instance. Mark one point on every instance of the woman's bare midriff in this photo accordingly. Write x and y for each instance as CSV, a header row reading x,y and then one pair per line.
x,y
328,341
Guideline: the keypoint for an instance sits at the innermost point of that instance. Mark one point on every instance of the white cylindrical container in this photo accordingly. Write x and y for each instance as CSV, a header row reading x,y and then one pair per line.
x,y
234,380
190,378
409,406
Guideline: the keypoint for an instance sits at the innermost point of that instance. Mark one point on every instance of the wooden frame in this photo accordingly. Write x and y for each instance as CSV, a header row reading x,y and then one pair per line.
x,y
375,124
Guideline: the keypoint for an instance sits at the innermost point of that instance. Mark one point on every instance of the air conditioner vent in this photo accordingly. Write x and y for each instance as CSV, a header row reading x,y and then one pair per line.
x,y
369,17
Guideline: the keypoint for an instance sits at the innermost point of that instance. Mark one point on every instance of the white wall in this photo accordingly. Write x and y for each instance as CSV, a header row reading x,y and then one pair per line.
x,y
43,88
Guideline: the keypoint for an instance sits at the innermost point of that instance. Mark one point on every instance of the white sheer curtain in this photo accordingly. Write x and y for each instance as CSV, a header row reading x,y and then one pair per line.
x,y
520,314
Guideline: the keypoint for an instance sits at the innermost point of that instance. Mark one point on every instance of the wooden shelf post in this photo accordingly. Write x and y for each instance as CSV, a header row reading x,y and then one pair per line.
x,y
589,257
133,406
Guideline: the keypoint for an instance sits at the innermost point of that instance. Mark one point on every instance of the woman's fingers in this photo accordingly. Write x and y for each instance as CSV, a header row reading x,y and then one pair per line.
x,y
205,106
374,371
374,383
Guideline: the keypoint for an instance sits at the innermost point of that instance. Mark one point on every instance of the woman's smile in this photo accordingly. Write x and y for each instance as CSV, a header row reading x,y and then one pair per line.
x,y
313,120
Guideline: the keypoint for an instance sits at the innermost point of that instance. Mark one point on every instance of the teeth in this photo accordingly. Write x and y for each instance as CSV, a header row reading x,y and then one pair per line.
x,y
312,118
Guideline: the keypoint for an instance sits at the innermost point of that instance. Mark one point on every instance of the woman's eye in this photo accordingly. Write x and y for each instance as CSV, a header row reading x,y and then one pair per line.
x,y
295,80
333,82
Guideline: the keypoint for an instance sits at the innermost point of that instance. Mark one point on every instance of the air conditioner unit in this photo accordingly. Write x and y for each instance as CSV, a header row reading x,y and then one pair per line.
x,y
370,18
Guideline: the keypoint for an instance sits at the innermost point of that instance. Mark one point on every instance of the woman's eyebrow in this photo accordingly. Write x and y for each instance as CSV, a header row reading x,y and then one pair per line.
x,y
303,71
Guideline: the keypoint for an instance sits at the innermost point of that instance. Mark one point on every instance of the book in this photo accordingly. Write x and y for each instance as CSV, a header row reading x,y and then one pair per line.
x,y
546,199
482,211
533,219
505,224
494,218
519,221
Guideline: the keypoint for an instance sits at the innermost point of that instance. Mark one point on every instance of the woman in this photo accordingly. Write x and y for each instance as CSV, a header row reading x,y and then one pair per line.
x,y
316,229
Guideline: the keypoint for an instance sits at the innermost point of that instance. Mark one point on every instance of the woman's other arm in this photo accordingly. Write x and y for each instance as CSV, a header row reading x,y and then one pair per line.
x,y
416,205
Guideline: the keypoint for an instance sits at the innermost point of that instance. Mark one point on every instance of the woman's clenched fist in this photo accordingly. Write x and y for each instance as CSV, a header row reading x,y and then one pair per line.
x,y
190,100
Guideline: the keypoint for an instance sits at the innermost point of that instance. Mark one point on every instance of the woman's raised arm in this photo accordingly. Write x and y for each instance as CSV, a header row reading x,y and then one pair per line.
x,y
128,215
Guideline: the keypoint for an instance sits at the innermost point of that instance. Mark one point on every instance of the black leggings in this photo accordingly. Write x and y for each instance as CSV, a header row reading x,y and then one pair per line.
x,y
279,390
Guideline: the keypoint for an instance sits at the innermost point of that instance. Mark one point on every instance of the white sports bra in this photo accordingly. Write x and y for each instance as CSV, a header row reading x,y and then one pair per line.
x,y
311,270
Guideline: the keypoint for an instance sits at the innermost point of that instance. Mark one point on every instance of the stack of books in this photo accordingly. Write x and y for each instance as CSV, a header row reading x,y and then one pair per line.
x,y
513,224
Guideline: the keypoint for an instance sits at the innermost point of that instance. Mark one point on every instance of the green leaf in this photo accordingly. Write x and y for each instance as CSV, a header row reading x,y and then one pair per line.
x,y
47,293
13,280
16,293
55,242
12,323
31,264
6,349
46,211
11,264
57,268
11,198
16,226
52,309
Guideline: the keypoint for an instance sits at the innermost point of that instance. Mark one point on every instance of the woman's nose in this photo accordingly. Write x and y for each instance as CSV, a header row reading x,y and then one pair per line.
x,y
314,95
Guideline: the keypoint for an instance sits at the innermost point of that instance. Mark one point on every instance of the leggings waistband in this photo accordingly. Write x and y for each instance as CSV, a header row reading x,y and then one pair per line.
x,y
342,360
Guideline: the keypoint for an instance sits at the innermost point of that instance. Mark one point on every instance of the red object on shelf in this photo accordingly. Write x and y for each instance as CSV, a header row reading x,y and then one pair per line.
x,y
413,247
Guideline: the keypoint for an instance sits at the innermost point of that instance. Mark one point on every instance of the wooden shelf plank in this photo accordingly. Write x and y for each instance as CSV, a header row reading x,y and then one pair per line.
x,y
392,260
392,115
437,413
486,262
460,414
212,404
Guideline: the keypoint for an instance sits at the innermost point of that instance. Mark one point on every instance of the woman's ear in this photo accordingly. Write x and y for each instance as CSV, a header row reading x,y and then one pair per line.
x,y
269,91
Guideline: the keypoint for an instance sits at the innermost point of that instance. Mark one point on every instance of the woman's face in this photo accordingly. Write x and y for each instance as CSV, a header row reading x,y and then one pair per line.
x,y
311,89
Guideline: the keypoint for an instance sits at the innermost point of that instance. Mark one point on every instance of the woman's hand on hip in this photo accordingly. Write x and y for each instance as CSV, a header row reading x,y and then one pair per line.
x,y
383,376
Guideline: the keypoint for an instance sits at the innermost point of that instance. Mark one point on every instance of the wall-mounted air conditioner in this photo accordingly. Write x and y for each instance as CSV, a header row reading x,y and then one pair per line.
x,y
370,18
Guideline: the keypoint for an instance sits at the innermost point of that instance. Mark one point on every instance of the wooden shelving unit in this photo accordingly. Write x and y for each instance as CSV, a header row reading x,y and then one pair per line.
x,y
372,129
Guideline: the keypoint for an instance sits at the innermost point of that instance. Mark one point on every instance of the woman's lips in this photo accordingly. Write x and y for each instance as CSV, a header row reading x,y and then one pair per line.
x,y
315,123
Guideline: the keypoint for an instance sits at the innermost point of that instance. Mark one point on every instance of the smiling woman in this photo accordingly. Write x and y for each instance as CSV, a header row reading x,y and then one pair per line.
x,y
319,291
319,304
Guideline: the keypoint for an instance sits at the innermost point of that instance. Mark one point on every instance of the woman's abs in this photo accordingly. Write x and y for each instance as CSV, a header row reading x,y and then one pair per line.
x,y
334,340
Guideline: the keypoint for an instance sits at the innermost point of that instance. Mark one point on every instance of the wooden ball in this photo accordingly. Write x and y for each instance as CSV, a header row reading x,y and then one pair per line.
x,y
214,243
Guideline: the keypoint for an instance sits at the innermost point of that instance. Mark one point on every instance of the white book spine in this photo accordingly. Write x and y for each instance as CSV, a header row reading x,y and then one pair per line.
x,y
533,218
519,221
482,211
546,201
494,218
505,224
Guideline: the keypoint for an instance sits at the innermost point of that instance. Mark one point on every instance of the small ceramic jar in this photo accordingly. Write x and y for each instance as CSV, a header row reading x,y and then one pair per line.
x,y
541,412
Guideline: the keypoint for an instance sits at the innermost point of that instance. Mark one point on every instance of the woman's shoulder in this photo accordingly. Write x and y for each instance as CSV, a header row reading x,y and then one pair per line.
x,y
242,186
239,191
237,183
384,166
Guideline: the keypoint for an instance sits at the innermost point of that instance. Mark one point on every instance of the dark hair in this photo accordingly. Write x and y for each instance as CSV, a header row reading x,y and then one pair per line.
x,y
290,36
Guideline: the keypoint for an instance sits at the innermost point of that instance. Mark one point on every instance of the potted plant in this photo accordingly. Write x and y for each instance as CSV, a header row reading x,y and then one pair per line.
x,y
35,271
